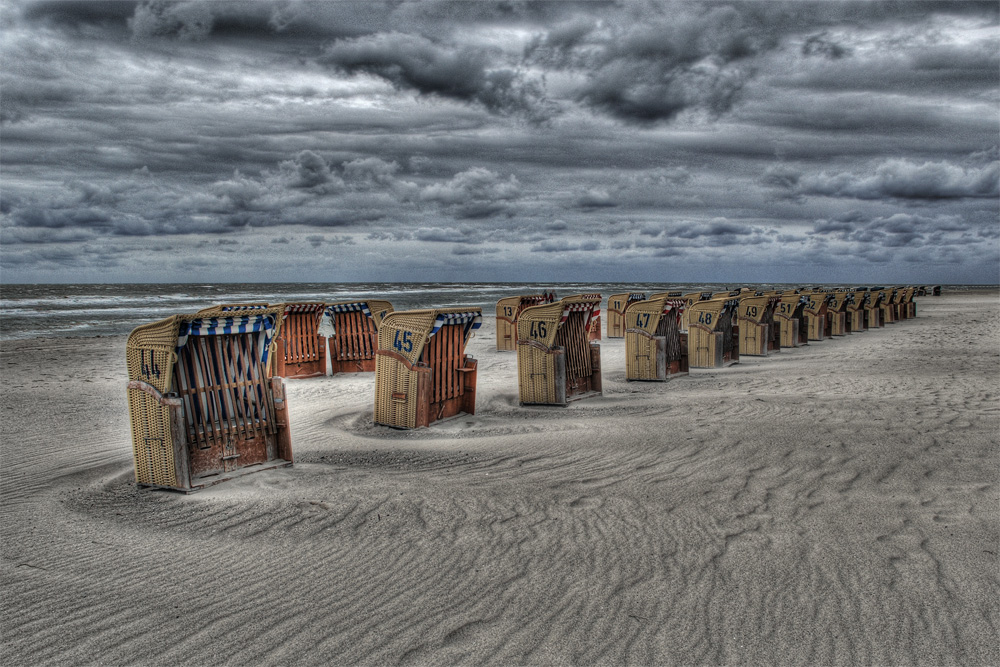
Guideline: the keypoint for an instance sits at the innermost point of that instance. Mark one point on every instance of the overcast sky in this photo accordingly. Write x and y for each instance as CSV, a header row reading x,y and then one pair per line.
x,y
500,141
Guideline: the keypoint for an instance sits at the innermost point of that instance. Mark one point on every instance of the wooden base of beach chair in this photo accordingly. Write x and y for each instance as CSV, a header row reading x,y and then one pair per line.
x,y
428,410
204,481
755,340
816,325
565,390
648,361
788,332
838,324
706,348
352,366
300,369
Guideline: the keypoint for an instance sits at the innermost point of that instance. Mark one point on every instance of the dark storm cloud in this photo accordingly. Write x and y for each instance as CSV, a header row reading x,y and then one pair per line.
x,y
191,19
821,45
74,13
465,73
693,56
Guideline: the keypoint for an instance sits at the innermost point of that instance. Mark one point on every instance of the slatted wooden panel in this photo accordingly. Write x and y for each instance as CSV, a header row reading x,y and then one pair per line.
x,y
725,325
225,389
444,353
357,338
669,327
573,336
302,342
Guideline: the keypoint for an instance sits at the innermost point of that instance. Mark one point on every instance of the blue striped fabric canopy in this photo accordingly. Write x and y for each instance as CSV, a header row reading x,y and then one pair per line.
x,y
349,308
214,326
327,328
249,306
472,320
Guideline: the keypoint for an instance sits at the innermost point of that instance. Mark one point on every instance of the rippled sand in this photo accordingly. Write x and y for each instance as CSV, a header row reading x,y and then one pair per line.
x,y
833,504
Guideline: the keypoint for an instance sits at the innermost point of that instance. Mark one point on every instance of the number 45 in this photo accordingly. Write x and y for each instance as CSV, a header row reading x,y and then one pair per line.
x,y
404,343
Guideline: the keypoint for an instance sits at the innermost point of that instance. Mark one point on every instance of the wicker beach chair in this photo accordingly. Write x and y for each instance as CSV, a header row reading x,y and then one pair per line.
x,y
836,309
203,405
908,307
422,373
556,361
790,318
689,300
351,329
617,303
816,314
936,290
758,333
855,310
874,311
655,348
713,333
508,310
890,307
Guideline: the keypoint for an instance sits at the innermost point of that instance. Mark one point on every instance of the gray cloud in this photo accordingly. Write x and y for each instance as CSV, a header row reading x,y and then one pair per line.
x,y
595,198
560,245
475,193
904,179
449,235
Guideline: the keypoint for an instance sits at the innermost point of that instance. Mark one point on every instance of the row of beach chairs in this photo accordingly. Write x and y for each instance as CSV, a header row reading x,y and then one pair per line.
x,y
207,396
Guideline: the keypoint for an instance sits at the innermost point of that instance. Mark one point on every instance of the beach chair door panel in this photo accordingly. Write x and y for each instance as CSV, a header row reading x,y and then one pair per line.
x,y
615,319
302,346
444,354
355,343
574,338
227,403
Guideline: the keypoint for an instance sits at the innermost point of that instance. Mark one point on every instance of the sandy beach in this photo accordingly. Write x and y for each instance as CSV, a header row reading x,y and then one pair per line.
x,y
832,504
